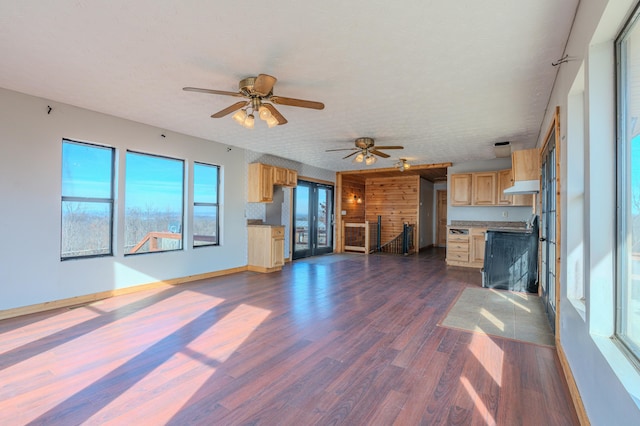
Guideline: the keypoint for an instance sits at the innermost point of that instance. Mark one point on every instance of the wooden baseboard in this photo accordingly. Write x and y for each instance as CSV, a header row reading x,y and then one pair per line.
x,y
88,298
263,269
573,388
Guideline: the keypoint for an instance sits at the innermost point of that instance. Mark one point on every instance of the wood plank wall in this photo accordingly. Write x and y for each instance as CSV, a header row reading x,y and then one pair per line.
x,y
397,200
355,211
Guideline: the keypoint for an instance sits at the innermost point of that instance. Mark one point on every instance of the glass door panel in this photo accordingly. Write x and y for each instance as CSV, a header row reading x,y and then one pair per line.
x,y
313,214
548,237
323,208
301,220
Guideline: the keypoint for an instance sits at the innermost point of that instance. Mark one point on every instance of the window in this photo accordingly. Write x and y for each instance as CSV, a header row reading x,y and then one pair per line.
x,y
628,175
205,204
87,200
154,201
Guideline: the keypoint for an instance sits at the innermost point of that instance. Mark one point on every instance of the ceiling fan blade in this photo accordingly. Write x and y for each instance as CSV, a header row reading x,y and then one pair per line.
x,y
276,114
342,149
212,92
297,102
230,109
264,84
353,153
379,153
390,147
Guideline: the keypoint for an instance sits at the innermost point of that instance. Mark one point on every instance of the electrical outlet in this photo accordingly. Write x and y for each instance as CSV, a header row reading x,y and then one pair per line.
x,y
505,214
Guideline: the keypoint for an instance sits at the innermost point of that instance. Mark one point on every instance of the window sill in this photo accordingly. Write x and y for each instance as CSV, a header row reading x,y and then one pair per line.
x,y
622,367
580,307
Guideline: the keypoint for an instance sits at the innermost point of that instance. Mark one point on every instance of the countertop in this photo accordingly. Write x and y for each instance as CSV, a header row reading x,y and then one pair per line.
x,y
492,225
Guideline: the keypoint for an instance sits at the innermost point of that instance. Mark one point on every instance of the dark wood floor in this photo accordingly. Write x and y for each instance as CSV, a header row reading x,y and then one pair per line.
x,y
336,340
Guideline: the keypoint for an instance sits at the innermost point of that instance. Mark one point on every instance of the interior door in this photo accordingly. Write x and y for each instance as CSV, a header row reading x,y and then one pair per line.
x,y
441,218
313,218
549,232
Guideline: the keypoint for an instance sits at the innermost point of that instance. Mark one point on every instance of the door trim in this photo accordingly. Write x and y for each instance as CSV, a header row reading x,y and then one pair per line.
x,y
554,127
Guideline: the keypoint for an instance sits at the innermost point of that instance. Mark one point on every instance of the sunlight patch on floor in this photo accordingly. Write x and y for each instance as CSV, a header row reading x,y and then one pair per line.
x,y
121,339
489,355
221,340
482,409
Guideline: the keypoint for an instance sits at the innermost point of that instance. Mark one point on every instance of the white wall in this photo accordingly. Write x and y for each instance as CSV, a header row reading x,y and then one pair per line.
x,y
30,182
608,384
481,213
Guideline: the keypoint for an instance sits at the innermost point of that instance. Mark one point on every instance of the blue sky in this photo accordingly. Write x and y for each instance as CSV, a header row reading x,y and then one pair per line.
x,y
151,181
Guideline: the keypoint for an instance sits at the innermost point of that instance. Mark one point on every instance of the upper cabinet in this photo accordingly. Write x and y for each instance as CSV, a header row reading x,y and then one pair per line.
x,y
483,190
505,180
525,164
260,183
461,189
262,178
486,189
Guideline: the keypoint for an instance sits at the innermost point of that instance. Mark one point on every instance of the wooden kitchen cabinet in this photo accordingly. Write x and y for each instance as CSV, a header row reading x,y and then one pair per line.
x,y
465,246
266,248
505,180
461,189
262,178
526,164
476,247
280,176
457,246
292,178
483,190
260,183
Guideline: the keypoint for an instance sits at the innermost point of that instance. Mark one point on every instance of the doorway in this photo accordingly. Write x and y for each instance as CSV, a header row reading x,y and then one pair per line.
x,y
549,227
313,219
441,218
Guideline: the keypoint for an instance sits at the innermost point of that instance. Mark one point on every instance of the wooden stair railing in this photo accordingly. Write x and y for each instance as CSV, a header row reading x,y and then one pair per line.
x,y
152,238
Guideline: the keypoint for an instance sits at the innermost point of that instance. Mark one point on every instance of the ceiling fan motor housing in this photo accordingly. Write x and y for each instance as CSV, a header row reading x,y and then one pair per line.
x,y
246,86
364,143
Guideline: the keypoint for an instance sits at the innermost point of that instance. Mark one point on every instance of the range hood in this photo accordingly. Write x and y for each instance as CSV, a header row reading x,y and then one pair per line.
x,y
524,187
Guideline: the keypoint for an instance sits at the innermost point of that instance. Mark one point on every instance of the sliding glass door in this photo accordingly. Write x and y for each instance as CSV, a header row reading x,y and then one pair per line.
x,y
313,219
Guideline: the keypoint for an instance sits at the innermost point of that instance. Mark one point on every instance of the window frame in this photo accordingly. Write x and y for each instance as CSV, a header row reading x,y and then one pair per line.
x,y
624,196
205,204
182,202
109,201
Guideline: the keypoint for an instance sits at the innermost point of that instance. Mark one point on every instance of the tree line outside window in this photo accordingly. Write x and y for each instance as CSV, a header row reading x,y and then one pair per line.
x,y
153,205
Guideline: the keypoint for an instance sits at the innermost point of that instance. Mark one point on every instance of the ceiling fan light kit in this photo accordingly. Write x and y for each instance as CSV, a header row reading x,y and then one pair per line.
x,y
366,151
257,90
402,165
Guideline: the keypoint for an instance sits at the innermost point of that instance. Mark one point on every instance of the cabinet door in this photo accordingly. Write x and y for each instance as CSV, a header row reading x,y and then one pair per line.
x,y
504,181
267,183
292,178
260,183
484,188
279,176
477,248
526,164
277,252
461,189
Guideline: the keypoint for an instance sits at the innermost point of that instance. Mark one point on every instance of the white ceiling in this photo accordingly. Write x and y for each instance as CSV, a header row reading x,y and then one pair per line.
x,y
446,79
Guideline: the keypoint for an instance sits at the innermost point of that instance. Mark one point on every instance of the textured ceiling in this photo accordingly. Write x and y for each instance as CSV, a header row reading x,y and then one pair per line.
x,y
444,79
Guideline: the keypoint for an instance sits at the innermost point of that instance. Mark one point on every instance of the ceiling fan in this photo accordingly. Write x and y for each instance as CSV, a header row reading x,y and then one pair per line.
x,y
365,150
257,90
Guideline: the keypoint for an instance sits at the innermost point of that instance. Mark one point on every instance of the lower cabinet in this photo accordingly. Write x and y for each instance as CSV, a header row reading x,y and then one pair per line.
x,y
266,248
465,246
